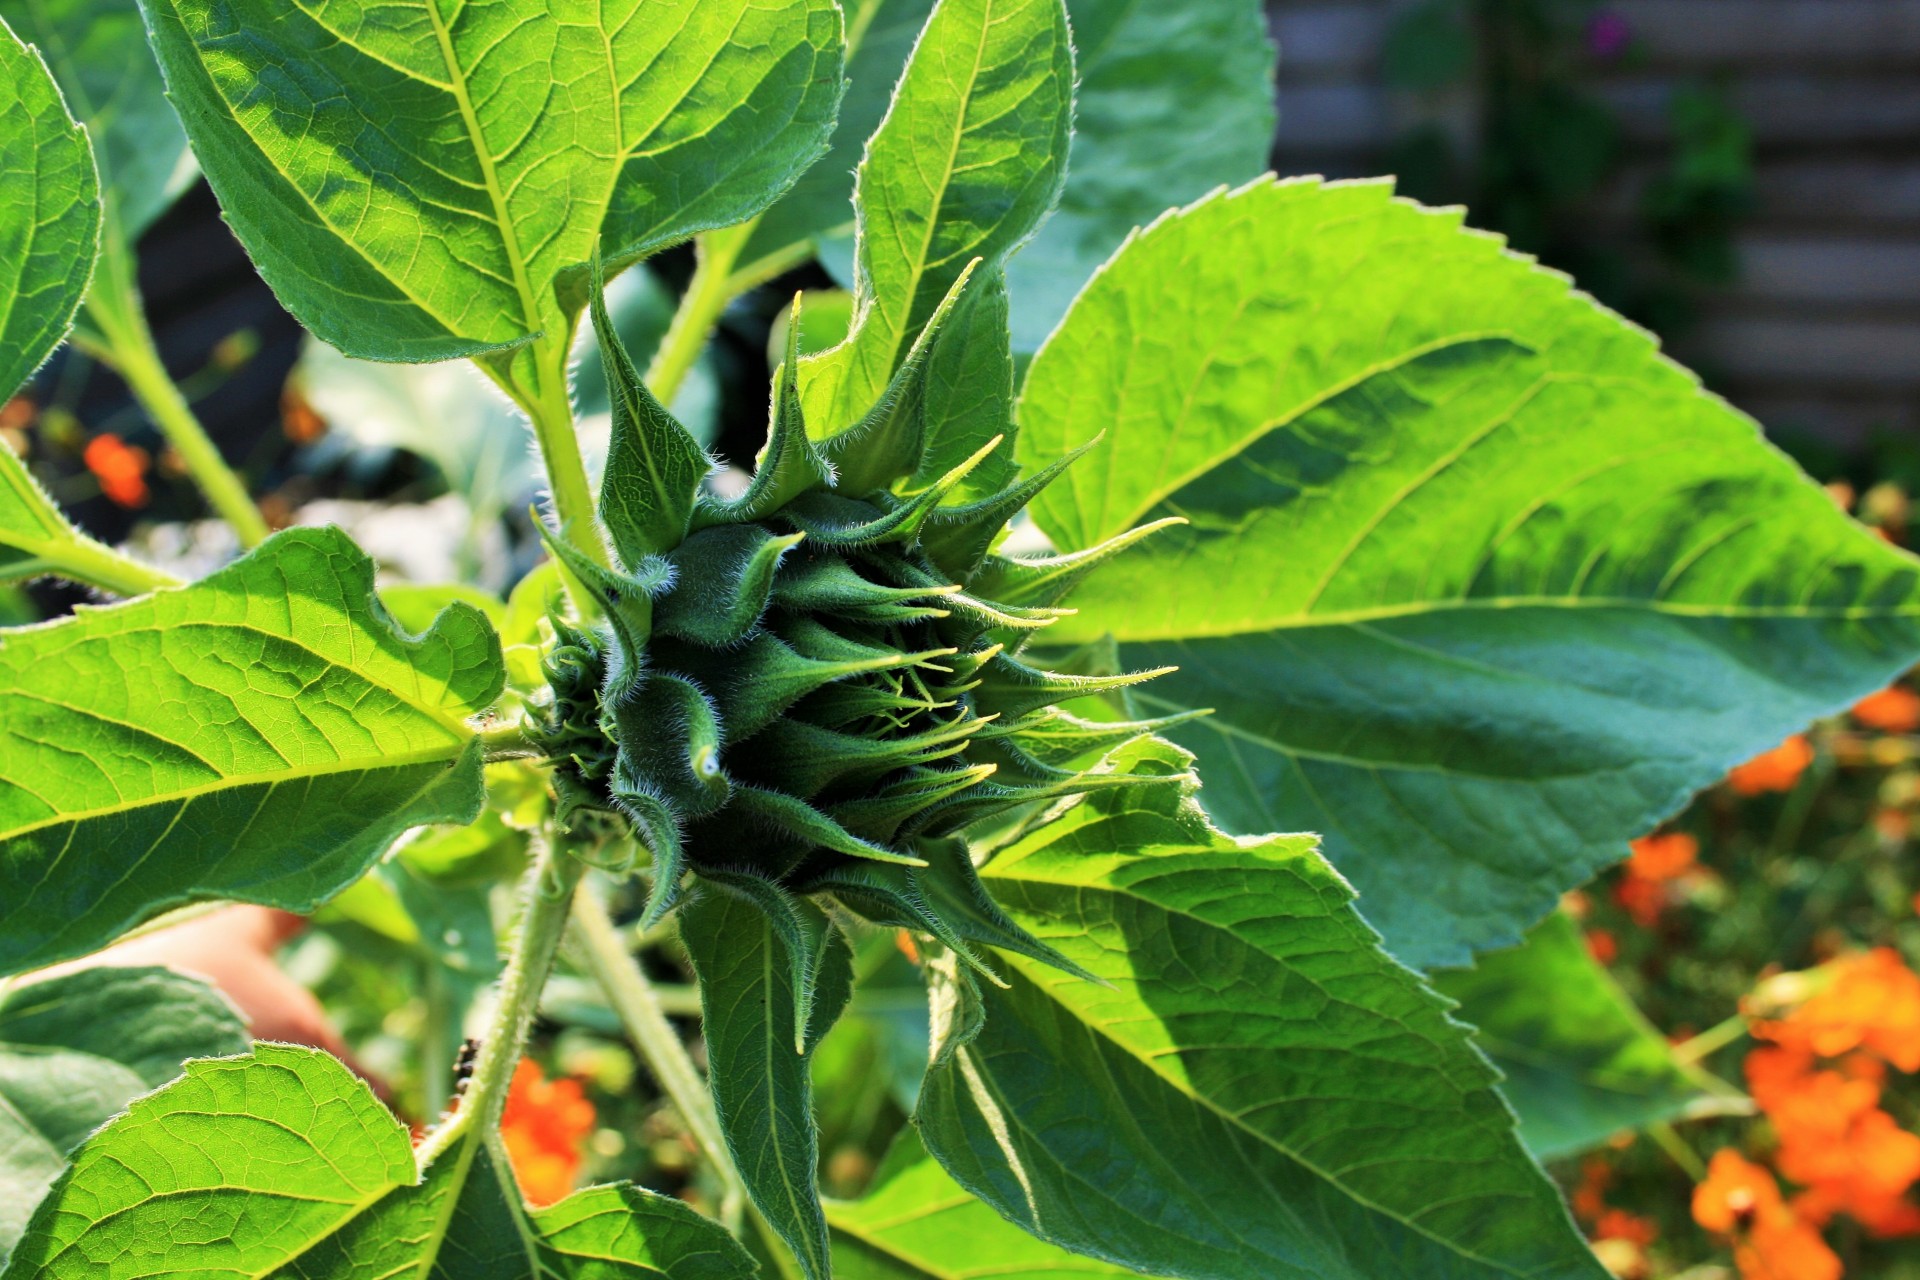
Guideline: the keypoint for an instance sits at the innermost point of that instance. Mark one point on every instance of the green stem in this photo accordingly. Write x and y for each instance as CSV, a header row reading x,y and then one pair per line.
x,y
81,559
1711,1041
549,892
707,296
637,1003
1668,1139
437,1040
638,1007
507,742
123,341
573,501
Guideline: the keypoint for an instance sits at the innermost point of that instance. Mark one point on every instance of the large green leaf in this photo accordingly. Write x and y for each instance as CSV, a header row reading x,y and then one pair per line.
x,y
261,735
917,1223
49,217
97,50
880,37
282,1163
1582,1064
75,1050
968,162
1174,100
1476,582
1259,1092
751,984
420,181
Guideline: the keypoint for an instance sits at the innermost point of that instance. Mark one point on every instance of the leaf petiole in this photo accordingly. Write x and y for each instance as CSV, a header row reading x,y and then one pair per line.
x,y
713,286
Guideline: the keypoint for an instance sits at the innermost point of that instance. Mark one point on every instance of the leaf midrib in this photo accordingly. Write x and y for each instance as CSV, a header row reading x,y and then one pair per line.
x,y
1049,988
1425,608
387,762
483,153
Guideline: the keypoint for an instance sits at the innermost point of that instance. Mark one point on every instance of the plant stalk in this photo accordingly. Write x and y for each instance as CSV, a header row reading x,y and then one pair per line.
x,y
707,296
81,559
550,889
551,411
637,1003
123,341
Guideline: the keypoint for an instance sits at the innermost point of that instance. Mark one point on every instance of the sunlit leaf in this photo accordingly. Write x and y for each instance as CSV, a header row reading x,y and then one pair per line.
x,y
75,1050
1257,1092
261,735
1477,583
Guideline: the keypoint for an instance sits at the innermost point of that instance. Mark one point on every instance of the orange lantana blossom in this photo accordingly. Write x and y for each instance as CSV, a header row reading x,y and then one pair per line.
x,y
1741,1201
120,468
1658,861
545,1126
1818,1078
1775,770
1894,709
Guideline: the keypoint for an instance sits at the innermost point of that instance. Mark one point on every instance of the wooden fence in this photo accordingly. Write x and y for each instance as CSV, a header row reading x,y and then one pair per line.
x,y
1822,330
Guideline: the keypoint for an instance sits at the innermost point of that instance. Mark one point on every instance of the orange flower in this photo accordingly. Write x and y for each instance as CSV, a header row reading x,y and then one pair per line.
x,y
1785,1248
544,1126
1644,900
1775,770
1589,1199
1741,1200
1892,710
1871,1001
1662,858
1602,946
1736,1194
120,468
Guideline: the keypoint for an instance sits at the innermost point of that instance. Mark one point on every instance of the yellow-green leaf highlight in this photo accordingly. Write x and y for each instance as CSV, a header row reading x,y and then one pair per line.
x,y
261,735
1479,584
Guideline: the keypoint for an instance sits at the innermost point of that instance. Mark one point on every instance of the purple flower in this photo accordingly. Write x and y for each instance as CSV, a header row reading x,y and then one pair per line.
x,y
1608,34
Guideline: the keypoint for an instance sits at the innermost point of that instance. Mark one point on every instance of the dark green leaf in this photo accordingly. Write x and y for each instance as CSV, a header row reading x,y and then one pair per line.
x,y
1582,1064
749,981
282,1163
49,221
1174,100
1260,1093
75,1050
1476,582
261,735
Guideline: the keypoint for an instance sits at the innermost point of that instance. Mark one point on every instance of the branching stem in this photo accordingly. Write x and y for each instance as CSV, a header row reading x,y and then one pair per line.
x,y
122,340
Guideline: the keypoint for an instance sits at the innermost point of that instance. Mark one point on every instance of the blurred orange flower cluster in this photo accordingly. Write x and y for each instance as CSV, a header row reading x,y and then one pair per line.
x,y
120,468
1818,1079
545,1126
1775,770
1658,862
1741,1201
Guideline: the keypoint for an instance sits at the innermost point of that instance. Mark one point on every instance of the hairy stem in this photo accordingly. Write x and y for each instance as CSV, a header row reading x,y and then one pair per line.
x,y
551,411
548,892
123,341
707,295
81,559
